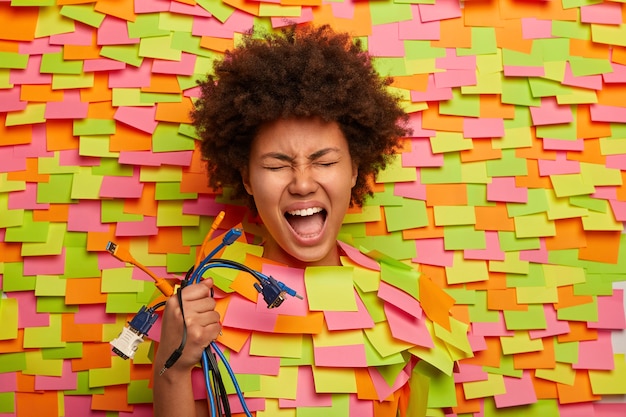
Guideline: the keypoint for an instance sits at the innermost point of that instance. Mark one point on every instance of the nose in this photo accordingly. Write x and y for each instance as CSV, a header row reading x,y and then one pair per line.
x,y
302,181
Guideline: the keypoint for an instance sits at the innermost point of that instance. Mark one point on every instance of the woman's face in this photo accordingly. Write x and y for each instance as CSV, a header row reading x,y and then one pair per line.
x,y
300,175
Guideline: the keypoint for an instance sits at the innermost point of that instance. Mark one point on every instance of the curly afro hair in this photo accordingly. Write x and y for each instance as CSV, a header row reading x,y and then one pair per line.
x,y
297,72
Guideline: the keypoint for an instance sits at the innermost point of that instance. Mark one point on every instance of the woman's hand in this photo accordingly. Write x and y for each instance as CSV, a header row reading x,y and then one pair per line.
x,y
202,322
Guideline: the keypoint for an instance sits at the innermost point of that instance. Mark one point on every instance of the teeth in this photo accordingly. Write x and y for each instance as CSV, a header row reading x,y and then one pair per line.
x,y
305,212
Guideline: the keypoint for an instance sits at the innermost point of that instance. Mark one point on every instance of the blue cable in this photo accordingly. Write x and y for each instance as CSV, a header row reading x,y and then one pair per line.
x,y
242,400
207,381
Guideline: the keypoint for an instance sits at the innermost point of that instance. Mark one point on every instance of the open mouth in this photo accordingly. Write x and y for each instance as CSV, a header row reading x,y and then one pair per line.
x,y
307,223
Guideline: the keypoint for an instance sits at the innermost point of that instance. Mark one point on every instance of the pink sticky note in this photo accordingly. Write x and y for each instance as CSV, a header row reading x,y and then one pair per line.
x,y
432,252
70,108
504,189
605,193
26,199
360,408
85,217
38,47
561,165
252,404
452,61
610,312
80,406
11,163
8,382
146,227
616,161
523,71
204,205
187,9
93,314
536,255
554,326
444,9
592,82
243,363
305,394
432,93
617,76
67,381
470,373
151,6
103,64
237,22
345,320
149,158
578,410
577,145
416,29
10,100
415,124
492,251
421,155
400,299
616,409
142,118
114,31
243,314
483,127
497,328
414,189
596,354
603,13
27,310
31,74
294,279
185,66
121,187
45,265
359,258
132,77
455,78
533,28
602,113
406,327
619,210
346,356
382,387
139,410
81,36
384,41
519,391
550,112
71,158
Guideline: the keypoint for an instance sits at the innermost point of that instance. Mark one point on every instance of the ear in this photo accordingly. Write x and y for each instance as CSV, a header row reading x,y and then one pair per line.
x,y
355,174
245,178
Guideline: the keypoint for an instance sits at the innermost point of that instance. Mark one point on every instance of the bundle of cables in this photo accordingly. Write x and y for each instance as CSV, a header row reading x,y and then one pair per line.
x,y
126,344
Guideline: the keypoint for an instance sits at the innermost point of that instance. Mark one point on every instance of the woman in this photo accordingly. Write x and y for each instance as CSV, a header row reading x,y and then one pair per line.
x,y
298,122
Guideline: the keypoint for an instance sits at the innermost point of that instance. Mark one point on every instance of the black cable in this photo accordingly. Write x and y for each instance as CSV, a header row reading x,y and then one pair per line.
x,y
179,351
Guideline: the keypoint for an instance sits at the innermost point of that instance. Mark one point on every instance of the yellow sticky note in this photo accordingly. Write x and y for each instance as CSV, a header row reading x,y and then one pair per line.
x,y
32,114
601,221
463,270
45,336
454,215
534,225
562,373
394,172
520,342
50,286
537,295
493,385
566,185
8,318
338,338
120,280
456,336
117,374
560,275
85,185
600,175
450,142
170,213
334,380
438,356
330,288
511,264
560,208
282,346
385,344
611,382
37,365
283,385
53,244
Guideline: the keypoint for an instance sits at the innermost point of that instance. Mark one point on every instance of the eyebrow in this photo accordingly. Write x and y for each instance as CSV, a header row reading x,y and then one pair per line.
x,y
312,157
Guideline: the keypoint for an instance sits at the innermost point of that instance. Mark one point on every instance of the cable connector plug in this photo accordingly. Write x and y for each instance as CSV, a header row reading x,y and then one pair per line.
x,y
232,235
126,344
274,291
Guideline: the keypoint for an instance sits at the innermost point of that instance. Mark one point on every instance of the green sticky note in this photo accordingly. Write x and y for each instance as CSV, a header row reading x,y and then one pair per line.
x,y
451,171
537,295
395,172
380,337
391,66
139,392
58,189
533,318
167,139
112,167
489,63
324,280
392,245
571,30
283,385
514,137
120,303
475,172
82,386
37,365
170,213
153,98
419,50
44,336
565,352
221,11
186,42
463,271
463,237
8,318
53,63
537,203
511,264
400,276
460,105
411,214
441,391
583,312
566,131
533,278
93,127
493,385
510,242
28,231
12,362
454,215
14,278
577,96
80,264
609,34
507,368
9,218
374,358
340,406
543,408
477,195
612,145
83,13
516,90
146,25
562,275
123,53
7,402
385,197
388,12
508,165
71,350
128,97
174,22
601,221
86,186
159,47
486,83
163,173
566,185
56,305
478,311
180,263
450,142
50,285
120,280
541,87
112,211
368,213
267,10
50,22
511,57
171,191
374,306
97,146
13,60
483,42
596,284
559,208
117,374
305,357
282,346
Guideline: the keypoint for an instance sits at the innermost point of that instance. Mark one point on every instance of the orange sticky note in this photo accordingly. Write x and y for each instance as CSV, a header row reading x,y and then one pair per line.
x,y
14,135
217,44
435,302
40,93
43,403
163,83
84,291
446,194
493,218
601,246
18,23
95,355
60,135
569,235
175,112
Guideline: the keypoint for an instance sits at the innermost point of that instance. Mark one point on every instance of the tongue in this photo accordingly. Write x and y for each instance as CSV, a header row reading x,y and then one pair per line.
x,y
307,225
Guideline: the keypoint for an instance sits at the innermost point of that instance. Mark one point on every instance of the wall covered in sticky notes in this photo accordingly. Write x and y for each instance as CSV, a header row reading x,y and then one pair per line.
x,y
511,196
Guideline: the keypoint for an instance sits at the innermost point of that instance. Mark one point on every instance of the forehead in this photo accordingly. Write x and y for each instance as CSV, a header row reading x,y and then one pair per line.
x,y
298,136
